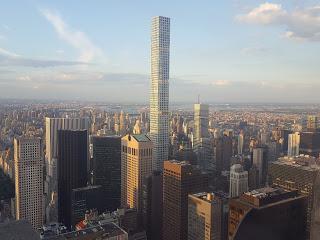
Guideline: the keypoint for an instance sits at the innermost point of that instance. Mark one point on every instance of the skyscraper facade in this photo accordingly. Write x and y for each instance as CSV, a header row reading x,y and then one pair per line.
x,y
204,216
136,165
201,121
238,180
28,165
152,205
302,174
293,144
201,142
107,169
260,162
179,180
51,158
72,169
240,143
312,123
310,143
159,95
223,153
267,213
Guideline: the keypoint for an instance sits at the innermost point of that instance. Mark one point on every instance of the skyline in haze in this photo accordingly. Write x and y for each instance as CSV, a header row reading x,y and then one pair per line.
x,y
230,51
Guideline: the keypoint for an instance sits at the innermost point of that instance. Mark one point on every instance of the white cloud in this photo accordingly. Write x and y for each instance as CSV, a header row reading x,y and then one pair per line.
x,y
24,78
77,39
7,53
221,83
266,13
8,58
302,24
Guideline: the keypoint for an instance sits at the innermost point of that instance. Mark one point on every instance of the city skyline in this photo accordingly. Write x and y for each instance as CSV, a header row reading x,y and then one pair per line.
x,y
252,51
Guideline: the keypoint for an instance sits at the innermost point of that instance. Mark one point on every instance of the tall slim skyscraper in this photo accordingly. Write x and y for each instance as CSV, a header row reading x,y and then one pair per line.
x,y
28,164
293,144
260,162
136,165
107,169
159,95
51,182
72,169
179,180
201,121
201,142
240,143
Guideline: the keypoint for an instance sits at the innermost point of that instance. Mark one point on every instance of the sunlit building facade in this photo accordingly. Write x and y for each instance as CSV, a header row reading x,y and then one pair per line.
x,y
159,95
28,162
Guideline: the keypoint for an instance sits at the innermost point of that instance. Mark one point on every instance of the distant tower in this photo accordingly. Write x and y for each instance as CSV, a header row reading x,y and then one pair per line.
x,y
201,121
293,144
122,123
259,161
240,143
28,165
238,181
137,127
312,123
136,165
201,141
159,96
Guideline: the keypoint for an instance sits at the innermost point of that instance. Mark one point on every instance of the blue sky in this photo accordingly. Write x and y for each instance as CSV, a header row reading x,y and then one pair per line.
x,y
226,51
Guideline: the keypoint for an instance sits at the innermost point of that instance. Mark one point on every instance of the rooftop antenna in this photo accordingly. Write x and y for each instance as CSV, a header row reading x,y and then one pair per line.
x,y
198,98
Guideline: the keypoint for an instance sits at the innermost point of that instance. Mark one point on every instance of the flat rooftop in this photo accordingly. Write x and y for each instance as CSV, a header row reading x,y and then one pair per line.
x,y
304,162
18,230
141,137
107,230
265,196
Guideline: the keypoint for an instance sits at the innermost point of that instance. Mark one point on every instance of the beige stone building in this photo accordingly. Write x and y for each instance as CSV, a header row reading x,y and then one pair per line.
x,y
136,164
28,165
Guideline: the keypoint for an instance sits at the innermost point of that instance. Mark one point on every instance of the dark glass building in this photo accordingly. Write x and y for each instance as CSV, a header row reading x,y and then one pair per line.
x,y
223,154
310,143
268,213
107,169
85,199
152,205
302,174
72,169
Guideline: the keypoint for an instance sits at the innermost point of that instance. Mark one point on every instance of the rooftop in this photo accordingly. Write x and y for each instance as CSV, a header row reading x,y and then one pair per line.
x,y
209,197
86,188
107,230
265,196
304,162
18,230
141,137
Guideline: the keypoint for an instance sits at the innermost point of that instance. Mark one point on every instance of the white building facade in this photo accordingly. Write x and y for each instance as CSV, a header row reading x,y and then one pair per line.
x,y
238,180
159,95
